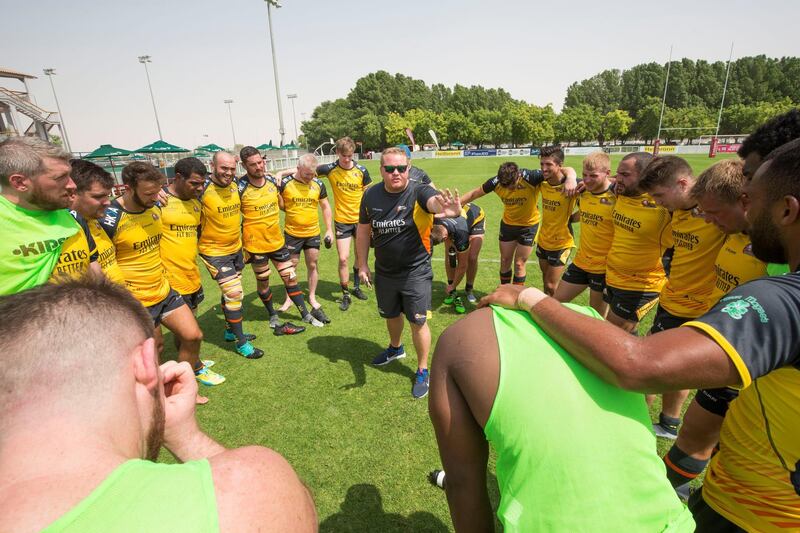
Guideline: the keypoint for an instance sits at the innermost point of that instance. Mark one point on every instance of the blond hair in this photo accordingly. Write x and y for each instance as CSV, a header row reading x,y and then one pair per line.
x,y
724,180
597,161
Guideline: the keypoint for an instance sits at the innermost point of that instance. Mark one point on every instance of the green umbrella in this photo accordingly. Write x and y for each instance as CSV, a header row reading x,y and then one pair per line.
x,y
267,146
200,153
138,157
456,143
161,147
106,150
211,148
290,146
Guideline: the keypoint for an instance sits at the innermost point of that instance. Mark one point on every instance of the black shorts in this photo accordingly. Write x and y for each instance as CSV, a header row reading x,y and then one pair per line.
x,y
193,300
706,518
578,276
410,296
223,266
479,228
296,244
716,401
524,235
344,231
554,258
281,255
171,302
630,305
665,320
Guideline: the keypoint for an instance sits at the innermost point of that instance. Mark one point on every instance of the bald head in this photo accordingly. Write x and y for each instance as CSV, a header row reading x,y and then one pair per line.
x,y
224,166
76,338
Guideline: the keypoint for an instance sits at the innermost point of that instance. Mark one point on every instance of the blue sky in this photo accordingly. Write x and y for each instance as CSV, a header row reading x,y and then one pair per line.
x,y
205,51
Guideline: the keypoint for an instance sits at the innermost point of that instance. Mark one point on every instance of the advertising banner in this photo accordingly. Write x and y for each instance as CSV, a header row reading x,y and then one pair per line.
x,y
536,151
513,151
728,148
448,153
479,153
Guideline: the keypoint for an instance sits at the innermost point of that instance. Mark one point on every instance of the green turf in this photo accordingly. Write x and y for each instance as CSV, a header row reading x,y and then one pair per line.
x,y
353,433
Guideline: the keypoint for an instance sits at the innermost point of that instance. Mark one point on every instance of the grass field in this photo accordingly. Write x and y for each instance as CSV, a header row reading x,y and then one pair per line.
x,y
353,433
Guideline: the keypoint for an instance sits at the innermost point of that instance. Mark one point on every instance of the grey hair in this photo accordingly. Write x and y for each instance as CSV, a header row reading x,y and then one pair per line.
x,y
307,161
26,155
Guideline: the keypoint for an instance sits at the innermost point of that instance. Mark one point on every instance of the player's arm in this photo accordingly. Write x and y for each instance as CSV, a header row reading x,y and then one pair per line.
x,y
462,259
327,217
363,232
680,358
462,389
474,194
571,183
285,172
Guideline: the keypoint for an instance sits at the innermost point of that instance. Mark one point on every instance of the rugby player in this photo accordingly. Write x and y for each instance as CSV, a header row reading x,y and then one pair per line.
x,y
519,190
302,194
669,180
348,180
220,247
81,456
766,138
642,235
133,223
263,239
573,452
35,191
92,197
748,340
463,238
399,217
554,242
596,203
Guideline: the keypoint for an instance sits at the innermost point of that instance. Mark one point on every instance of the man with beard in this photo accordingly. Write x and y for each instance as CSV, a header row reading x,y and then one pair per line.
x,y
634,270
748,340
35,191
133,223
95,444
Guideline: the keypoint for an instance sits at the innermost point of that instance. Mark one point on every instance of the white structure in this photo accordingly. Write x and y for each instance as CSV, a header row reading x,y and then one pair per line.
x,y
19,115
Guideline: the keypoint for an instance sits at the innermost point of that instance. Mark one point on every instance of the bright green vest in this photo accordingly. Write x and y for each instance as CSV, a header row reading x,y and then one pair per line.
x,y
574,454
142,496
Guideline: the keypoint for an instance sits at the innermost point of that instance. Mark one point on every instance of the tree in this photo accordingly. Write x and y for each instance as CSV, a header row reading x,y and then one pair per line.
x,y
580,123
697,121
615,125
460,128
494,127
55,139
369,129
395,128
603,91
646,124
331,119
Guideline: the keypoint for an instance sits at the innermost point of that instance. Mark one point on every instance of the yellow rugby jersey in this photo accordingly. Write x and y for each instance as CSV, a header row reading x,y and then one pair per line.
x,y
735,265
691,276
106,254
597,230
221,229
641,236
348,188
77,253
520,203
261,229
136,238
300,201
554,231
180,221
748,480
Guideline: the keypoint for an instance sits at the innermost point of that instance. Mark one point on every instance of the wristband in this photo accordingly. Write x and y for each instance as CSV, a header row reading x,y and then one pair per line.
x,y
528,298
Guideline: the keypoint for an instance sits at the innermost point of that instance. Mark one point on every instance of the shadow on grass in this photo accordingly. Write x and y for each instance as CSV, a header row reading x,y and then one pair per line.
x,y
362,510
358,353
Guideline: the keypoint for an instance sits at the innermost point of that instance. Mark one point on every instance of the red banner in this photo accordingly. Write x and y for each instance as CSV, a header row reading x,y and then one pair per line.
x,y
728,148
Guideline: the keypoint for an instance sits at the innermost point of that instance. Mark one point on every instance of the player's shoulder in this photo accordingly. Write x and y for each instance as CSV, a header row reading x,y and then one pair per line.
x,y
111,217
242,183
362,168
319,182
326,168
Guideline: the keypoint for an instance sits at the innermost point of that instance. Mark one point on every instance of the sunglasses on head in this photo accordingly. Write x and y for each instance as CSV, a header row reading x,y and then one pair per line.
x,y
392,168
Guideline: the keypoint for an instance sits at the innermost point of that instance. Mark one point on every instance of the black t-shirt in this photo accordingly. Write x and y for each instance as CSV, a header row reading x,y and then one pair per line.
x,y
457,230
401,229
419,176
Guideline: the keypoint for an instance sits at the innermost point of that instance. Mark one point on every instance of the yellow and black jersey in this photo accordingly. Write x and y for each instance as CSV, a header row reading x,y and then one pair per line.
x,y
348,188
519,201
597,230
106,254
136,238
180,222
748,480
554,231
300,200
261,228
473,213
734,266
77,252
691,276
221,229
641,236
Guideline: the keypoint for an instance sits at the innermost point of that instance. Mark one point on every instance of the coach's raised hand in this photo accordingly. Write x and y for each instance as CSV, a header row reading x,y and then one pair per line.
x,y
448,203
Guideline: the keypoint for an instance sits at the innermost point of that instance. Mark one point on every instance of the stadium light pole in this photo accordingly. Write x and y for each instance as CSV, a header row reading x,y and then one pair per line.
x,y
144,60
276,5
663,101
50,72
724,90
230,116
293,97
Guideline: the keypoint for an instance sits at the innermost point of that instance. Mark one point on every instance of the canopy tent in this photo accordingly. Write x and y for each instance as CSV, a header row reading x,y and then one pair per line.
x,y
200,153
210,148
161,147
458,144
290,146
267,147
107,151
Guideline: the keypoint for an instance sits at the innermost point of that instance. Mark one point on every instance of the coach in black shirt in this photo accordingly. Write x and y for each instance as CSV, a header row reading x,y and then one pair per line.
x,y
399,215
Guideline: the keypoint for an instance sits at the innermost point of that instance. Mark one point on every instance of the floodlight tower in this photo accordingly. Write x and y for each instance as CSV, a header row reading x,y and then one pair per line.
x,y
144,60
293,97
276,5
50,72
230,115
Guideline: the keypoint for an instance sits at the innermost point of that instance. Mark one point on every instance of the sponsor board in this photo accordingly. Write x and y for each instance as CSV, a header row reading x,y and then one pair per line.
x,y
513,151
448,153
479,153
728,148
661,149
